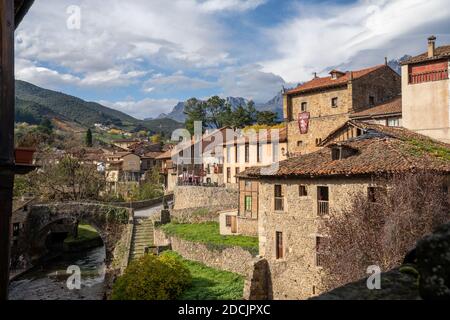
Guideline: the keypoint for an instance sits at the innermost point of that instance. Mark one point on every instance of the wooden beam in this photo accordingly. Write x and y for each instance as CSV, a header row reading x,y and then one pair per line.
x,y
7,100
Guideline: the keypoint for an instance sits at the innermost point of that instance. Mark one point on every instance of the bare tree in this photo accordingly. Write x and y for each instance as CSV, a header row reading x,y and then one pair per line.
x,y
69,178
380,227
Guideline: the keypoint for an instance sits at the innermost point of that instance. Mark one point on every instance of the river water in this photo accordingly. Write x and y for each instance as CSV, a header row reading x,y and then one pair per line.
x,y
50,281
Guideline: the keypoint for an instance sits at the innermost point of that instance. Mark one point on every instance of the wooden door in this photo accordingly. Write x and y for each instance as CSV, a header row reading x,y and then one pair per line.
x,y
233,224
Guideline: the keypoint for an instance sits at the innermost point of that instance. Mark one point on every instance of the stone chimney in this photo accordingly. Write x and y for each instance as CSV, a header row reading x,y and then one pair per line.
x,y
431,46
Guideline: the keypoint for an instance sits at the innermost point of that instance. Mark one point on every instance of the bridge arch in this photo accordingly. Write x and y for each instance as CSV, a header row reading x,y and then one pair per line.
x,y
111,223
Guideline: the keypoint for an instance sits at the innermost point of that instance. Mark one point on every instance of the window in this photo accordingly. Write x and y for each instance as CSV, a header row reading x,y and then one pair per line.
x,y
376,194
299,144
258,152
304,106
371,101
323,201
248,203
236,154
320,250
279,198
229,221
228,175
247,153
318,142
393,122
303,191
229,154
334,102
248,184
16,229
237,171
279,245
336,154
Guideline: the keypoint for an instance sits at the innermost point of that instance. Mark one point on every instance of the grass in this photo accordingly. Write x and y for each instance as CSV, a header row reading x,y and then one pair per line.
x,y
210,284
85,233
431,148
209,234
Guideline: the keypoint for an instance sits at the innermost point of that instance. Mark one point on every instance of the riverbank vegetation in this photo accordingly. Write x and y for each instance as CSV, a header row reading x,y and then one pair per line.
x,y
153,278
87,237
209,283
170,277
209,234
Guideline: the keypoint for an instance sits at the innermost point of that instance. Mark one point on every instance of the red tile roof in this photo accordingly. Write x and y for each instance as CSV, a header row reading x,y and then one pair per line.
x,y
374,155
388,108
328,82
440,53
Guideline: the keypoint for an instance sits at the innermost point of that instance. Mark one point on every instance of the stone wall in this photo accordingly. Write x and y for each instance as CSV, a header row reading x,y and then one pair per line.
x,y
233,259
424,275
190,197
247,227
296,276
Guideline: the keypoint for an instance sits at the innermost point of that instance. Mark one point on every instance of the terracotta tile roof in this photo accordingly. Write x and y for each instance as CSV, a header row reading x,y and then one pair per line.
x,y
374,155
392,107
440,53
152,155
166,155
328,82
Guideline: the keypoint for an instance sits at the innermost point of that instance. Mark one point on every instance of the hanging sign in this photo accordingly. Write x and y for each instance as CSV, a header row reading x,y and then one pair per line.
x,y
303,122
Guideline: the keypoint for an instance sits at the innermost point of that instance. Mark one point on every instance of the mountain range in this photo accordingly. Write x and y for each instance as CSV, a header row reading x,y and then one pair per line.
x,y
34,104
275,105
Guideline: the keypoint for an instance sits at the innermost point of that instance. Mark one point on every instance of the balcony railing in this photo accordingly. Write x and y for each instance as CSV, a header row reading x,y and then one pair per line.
x,y
323,208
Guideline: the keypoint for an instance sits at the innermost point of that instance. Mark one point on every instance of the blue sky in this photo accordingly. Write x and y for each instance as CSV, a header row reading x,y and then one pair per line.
x,y
143,56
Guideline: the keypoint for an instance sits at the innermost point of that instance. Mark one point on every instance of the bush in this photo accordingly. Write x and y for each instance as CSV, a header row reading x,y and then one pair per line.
x,y
153,278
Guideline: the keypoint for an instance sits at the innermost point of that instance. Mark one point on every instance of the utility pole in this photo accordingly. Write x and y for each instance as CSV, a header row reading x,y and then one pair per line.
x,y
7,100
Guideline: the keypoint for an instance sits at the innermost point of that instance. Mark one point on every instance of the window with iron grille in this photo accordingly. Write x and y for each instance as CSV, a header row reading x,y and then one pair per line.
x,y
320,250
323,204
279,198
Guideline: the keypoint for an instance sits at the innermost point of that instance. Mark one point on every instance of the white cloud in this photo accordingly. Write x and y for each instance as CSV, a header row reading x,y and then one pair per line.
x,y
250,82
121,37
142,109
175,83
330,34
230,5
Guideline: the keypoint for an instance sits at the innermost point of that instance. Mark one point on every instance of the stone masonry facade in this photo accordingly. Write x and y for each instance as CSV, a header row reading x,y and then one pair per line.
x,y
296,275
380,85
190,197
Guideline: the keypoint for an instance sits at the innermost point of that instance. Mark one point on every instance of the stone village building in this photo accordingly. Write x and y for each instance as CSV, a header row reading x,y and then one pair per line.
x,y
293,199
315,108
426,92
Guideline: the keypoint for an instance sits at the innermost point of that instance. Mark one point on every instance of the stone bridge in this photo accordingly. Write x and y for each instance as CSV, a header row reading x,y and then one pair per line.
x,y
112,223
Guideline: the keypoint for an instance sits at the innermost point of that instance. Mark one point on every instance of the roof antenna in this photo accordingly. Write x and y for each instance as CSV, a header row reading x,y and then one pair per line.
x,y
385,61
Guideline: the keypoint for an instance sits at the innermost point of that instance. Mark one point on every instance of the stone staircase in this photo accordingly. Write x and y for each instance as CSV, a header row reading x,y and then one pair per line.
x,y
142,238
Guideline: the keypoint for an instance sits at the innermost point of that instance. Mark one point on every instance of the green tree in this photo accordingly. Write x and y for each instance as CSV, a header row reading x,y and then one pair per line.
x,y
268,118
153,278
46,127
89,142
195,110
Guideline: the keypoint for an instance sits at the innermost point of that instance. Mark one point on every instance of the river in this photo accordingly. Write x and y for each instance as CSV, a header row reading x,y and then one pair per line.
x,y
50,281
